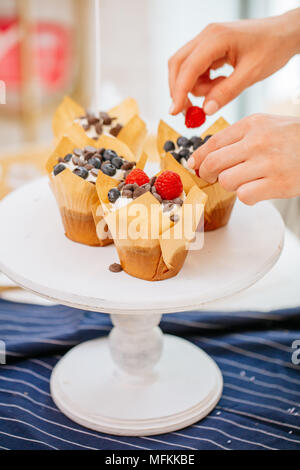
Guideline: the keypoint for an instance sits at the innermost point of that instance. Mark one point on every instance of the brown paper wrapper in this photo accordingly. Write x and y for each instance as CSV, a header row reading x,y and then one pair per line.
x,y
134,129
220,202
151,257
77,198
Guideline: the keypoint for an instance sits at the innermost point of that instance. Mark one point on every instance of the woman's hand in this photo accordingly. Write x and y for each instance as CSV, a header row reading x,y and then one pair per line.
x,y
259,157
254,48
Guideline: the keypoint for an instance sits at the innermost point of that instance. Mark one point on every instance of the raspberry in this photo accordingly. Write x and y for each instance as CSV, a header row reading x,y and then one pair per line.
x,y
137,176
197,172
168,185
194,117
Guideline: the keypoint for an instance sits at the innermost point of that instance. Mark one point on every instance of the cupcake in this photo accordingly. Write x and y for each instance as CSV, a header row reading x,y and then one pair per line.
x,y
122,122
73,169
152,221
174,151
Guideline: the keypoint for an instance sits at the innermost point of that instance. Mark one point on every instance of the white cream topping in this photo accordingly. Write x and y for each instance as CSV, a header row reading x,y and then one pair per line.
x,y
91,132
183,162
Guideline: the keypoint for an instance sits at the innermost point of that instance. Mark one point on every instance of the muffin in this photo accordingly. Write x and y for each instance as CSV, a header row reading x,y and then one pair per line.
x,y
152,221
122,122
73,169
174,151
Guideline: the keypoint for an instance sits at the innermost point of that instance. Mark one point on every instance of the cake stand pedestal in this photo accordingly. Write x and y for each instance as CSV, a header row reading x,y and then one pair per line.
x,y
137,382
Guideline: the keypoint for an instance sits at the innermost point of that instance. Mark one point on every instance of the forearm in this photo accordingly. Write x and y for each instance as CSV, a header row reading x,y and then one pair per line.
x,y
290,30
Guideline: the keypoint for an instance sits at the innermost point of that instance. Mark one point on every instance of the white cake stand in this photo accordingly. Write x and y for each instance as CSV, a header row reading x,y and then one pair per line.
x,y
137,382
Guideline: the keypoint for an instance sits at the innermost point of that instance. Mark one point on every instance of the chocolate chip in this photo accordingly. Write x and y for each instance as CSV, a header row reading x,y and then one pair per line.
x,y
146,187
130,187
75,160
92,120
88,155
121,186
115,268
99,128
127,166
157,196
127,193
168,207
88,167
174,218
138,192
115,130
106,119
178,201
90,148
78,152
152,180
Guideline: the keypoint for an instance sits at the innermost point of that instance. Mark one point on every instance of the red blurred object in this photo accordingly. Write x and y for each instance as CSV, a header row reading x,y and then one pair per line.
x,y
52,54
194,117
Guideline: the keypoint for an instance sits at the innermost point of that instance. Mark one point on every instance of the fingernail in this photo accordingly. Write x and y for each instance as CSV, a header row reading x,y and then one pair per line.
x,y
211,107
191,162
172,108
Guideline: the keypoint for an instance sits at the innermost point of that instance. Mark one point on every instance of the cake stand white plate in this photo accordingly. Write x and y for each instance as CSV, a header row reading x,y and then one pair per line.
x,y
134,383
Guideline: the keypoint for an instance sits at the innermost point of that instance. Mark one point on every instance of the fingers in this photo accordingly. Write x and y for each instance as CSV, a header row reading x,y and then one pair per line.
x,y
196,64
227,89
228,136
238,175
219,161
205,84
175,62
255,191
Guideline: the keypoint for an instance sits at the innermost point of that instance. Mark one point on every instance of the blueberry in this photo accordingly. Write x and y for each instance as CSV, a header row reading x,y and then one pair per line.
x,y
108,169
196,141
95,162
82,172
109,155
117,162
183,142
68,157
169,145
58,168
184,153
206,138
176,156
113,194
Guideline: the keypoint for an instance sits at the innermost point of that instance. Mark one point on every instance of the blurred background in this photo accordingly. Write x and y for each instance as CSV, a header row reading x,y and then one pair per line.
x,y
48,49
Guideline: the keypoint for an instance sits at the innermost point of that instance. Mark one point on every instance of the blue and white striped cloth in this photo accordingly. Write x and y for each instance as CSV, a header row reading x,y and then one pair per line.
x,y
259,409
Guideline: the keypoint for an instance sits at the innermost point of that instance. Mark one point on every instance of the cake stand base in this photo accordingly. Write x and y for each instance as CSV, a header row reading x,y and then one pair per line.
x,y
183,387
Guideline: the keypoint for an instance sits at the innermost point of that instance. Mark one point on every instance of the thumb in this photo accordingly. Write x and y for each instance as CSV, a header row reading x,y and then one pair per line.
x,y
226,89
